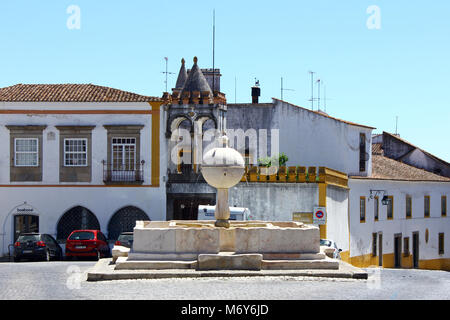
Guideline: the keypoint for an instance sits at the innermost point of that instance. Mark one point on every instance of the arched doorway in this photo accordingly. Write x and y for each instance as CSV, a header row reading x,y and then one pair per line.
x,y
124,220
77,218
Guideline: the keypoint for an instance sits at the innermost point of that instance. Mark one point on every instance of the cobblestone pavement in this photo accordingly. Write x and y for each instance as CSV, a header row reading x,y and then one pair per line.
x,y
67,280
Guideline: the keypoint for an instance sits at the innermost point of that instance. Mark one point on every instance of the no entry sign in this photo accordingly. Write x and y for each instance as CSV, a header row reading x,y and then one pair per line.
x,y
320,215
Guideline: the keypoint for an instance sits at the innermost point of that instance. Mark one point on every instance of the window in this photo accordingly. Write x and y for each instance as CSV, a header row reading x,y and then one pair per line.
x,y
444,206
390,208
406,246
376,208
26,152
362,209
408,207
374,244
75,152
426,209
362,152
123,154
441,243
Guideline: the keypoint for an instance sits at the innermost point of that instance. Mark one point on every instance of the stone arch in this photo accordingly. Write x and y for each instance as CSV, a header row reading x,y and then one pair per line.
x,y
174,122
124,220
76,218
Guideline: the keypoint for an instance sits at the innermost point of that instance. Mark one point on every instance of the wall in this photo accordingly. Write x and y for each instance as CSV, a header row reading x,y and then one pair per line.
x,y
337,216
274,201
51,198
361,233
307,138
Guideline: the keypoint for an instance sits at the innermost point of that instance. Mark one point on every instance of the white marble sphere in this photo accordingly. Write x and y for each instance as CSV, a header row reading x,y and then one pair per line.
x,y
223,167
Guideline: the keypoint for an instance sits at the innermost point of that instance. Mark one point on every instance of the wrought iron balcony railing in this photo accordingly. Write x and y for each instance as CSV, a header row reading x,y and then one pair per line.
x,y
131,172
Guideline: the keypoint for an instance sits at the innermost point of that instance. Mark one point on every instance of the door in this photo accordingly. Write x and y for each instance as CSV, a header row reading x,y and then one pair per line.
x,y
397,250
415,248
380,249
123,160
25,224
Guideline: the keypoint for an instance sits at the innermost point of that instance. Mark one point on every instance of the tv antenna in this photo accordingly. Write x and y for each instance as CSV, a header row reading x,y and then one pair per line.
x,y
325,99
283,89
312,89
318,94
166,72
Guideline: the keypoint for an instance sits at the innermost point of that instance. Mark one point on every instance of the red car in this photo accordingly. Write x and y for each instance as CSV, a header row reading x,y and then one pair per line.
x,y
87,243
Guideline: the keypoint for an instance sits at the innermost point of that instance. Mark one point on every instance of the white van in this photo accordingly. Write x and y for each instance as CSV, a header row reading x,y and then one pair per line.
x,y
207,213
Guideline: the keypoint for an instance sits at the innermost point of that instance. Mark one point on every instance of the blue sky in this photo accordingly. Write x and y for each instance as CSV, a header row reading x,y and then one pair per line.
x,y
371,75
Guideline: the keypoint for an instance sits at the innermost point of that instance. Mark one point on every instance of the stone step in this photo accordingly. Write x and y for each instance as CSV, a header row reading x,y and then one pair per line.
x,y
327,263
228,261
155,265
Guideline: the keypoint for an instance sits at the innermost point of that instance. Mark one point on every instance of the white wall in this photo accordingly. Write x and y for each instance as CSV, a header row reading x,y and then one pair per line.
x,y
361,233
311,139
337,216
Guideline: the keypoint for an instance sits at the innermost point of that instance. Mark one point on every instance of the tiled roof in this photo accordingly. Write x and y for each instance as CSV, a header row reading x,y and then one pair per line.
x,y
384,168
377,148
68,93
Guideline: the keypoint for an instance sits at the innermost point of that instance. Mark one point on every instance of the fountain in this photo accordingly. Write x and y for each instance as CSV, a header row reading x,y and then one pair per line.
x,y
224,244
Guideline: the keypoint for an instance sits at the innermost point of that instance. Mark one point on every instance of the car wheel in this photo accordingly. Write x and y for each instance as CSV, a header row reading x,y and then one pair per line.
x,y
99,255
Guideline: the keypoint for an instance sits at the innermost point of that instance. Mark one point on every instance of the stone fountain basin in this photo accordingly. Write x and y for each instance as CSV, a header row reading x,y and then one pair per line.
x,y
186,240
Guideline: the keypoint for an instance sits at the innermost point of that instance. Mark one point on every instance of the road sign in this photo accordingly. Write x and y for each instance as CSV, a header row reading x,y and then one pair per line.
x,y
320,215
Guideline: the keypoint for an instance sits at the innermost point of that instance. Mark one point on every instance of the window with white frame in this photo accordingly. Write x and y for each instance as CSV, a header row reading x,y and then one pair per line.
x,y
26,152
75,152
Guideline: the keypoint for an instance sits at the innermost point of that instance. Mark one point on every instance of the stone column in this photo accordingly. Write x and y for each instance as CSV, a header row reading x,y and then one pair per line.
x,y
222,212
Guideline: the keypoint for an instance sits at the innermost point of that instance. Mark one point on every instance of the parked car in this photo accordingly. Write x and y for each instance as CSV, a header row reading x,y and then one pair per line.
x,y
87,243
37,246
331,244
125,239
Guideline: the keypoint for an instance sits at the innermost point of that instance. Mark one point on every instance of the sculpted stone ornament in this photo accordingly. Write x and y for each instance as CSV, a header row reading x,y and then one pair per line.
x,y
222,168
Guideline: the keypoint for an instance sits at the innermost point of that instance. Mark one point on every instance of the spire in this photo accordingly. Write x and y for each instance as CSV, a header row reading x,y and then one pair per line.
x,y
196,81
182,76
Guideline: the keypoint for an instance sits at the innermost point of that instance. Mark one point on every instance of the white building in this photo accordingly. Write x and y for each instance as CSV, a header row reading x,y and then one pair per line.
x,y
76,157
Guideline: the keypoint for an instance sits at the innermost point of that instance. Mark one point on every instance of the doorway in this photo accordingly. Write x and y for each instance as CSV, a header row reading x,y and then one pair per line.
x,y
25,224
415,249
184,206
397,250
380,249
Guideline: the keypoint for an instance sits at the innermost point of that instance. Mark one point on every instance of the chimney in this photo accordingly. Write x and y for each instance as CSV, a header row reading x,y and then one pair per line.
x,y
256,92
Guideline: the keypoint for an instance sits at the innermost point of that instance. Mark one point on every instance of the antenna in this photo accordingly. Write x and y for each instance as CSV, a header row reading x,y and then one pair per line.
x,y
166,72
283,89
235,86
396,124
312,89
318,94
214,48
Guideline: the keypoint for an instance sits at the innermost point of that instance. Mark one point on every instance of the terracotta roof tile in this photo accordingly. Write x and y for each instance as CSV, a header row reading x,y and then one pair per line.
x,y
69,93
384,168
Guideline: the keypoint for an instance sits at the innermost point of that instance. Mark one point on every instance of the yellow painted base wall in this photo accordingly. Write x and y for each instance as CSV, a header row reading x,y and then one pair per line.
x,y
368,260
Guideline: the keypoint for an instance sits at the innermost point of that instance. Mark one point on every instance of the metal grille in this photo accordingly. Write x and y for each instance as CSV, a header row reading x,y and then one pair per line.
x,y
77,218
124,220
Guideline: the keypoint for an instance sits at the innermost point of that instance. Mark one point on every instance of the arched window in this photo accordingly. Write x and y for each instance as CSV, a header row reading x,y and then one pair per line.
x,y
77,218
124,220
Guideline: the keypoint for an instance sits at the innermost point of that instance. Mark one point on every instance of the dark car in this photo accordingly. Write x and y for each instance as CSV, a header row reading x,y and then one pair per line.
x,y
37,246
87,243
125,239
